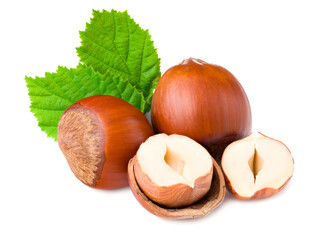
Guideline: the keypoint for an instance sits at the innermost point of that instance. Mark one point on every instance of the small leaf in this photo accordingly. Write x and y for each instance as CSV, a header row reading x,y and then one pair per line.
x,y
114,42
52,94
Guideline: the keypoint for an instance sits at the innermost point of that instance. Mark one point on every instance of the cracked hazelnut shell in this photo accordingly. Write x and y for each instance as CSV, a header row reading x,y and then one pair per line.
x,y
202,207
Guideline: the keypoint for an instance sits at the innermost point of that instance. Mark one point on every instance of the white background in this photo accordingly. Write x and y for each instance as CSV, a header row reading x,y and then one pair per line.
x,y
272,47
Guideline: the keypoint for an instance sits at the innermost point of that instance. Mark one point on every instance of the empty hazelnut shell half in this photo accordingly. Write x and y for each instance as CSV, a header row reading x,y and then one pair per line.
x,y
201,208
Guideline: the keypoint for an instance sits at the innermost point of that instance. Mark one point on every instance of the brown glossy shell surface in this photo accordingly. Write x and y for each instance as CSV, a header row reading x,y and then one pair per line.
x,y
114,130
201,208
202,101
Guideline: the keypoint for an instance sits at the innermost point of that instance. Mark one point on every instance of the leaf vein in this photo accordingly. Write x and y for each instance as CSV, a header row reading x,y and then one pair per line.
x,y
63,97
48,109
114,43
103,62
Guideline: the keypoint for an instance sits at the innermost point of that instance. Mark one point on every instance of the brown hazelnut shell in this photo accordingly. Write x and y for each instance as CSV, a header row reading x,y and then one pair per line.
x,y
98,135
204,102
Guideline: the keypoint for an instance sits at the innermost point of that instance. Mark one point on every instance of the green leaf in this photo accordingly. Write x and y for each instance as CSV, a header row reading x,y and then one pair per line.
x,y
52,94
114,42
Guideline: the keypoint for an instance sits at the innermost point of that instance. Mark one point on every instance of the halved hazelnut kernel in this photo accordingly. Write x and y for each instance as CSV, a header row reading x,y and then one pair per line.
x,y
205,205
169,174
257,166
174,170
